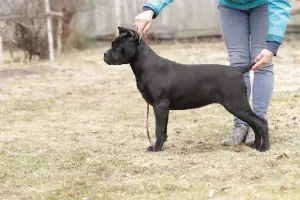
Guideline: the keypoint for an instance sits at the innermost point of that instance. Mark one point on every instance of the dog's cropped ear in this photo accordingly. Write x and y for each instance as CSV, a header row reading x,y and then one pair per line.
x,y
132,33
122,30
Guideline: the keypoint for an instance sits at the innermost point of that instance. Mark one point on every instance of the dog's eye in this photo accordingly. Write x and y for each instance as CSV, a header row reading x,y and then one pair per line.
x,y
122,50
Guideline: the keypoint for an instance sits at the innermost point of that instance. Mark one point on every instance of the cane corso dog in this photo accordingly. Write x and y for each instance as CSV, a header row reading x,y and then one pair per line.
x,y
167,85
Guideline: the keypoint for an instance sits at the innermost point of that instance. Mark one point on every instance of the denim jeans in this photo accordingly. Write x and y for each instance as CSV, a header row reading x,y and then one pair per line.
x,y
245,33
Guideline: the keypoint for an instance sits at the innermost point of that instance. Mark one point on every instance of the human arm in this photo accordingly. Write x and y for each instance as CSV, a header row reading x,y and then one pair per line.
x,y
151,10
279,15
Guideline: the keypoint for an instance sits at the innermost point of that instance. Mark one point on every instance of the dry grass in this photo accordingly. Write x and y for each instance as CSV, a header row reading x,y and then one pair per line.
x,y
75,130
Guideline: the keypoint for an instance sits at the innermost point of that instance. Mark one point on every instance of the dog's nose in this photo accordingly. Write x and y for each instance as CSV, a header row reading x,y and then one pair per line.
x,y
105,53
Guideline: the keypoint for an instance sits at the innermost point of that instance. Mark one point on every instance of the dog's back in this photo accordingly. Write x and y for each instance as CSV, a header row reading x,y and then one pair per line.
x,y
192,86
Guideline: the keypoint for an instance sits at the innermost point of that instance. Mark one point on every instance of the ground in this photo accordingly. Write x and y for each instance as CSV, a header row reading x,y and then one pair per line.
x,y
75,129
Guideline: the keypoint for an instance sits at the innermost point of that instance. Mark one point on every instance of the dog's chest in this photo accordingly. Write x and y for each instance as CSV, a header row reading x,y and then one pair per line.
x,y
145,92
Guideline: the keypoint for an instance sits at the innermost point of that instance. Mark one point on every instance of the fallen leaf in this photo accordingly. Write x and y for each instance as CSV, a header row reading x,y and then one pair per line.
x,y
95,131
242,148
296,95
284,155
224,188
283,188
170,158
254,177
189,141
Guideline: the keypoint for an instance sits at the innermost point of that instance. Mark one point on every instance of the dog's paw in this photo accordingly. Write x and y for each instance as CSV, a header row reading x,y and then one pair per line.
x,y
151,148
257,144
253,146
264,147
261,148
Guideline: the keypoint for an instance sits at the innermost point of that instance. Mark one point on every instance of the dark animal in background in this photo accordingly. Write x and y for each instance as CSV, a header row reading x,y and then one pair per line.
x,y
24,37
30,40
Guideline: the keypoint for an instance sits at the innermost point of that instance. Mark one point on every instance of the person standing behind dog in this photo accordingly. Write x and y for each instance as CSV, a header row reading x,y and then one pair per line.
x,y
253,31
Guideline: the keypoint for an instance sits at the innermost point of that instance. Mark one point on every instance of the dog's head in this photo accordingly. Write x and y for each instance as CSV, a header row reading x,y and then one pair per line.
x,y
123,48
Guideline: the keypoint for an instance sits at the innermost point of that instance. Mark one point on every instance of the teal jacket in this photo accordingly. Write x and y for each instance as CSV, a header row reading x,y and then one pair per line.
x,y
279,13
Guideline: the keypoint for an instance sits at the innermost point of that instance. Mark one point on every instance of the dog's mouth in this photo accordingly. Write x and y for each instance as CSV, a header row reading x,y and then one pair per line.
x,y
109,61
106,59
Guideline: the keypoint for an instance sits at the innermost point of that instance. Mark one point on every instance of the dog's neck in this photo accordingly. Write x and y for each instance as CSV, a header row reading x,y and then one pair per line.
x,y
143,51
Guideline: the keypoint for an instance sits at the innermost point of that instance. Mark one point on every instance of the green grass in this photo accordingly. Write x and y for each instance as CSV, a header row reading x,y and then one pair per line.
x,y
79,133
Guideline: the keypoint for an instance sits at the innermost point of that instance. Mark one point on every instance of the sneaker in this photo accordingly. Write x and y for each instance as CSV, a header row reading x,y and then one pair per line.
x,y
250,138
237,135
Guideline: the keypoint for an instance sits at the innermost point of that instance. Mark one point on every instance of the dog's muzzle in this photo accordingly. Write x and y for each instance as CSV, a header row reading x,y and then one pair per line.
x,y
105,58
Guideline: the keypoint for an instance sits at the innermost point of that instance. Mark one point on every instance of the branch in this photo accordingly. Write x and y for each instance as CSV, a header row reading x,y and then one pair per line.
x,y
15,17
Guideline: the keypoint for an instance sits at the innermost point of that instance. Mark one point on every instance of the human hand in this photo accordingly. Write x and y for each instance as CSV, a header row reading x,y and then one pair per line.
x,y
143,21
264,57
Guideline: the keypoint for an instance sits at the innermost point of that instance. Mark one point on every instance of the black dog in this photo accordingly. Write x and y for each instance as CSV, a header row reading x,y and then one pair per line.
x,y
167,85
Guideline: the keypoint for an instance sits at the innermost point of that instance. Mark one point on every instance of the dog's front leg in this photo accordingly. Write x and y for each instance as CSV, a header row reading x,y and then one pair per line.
x,y
161,111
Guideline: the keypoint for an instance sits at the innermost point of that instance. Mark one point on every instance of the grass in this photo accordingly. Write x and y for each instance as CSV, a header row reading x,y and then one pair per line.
x,y
75,129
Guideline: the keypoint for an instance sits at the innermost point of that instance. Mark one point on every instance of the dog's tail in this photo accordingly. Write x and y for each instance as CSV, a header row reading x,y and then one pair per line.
x,y
246,68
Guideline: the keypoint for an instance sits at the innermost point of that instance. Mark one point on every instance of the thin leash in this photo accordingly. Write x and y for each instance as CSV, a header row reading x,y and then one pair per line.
x,y
147,121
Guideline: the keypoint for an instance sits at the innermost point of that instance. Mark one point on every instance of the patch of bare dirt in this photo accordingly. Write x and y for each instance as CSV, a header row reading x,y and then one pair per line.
x,y
7,73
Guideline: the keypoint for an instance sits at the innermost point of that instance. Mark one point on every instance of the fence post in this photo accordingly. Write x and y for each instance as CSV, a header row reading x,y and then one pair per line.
x,y
59,32
1,50
117,15
49,31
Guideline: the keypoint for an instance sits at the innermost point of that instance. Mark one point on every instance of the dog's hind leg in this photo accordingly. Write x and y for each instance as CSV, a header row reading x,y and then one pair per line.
x,y
241,109
11,53
161,111
24,58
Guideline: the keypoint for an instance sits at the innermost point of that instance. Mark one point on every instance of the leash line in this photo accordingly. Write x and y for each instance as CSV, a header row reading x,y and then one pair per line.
x,y
147,116
147,125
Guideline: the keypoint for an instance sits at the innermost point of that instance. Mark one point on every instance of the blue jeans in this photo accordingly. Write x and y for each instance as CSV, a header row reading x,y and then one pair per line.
x,y
245,33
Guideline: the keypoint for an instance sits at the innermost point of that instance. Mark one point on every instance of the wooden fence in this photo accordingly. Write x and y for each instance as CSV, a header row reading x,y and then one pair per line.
x,y
186,18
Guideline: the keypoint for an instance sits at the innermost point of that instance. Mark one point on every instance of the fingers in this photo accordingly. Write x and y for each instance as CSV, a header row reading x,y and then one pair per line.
x,y
259,64
143,21
143,27
140,26
258,58
263,58
146,28
259,61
